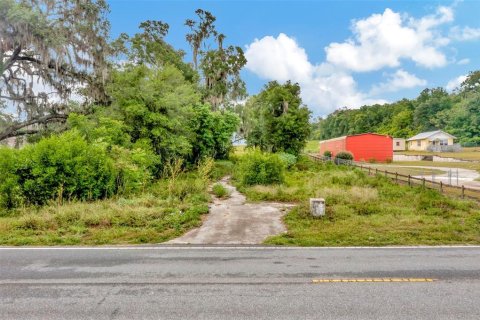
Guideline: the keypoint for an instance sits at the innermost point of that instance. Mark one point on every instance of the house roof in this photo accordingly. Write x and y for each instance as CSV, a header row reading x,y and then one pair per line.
x,y
426,135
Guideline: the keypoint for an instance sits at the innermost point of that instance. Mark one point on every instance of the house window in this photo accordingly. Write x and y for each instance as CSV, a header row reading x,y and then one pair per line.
x,y
444,142
398,143
419,143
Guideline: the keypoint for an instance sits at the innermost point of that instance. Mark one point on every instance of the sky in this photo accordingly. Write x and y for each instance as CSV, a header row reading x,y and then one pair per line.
x,y
342,53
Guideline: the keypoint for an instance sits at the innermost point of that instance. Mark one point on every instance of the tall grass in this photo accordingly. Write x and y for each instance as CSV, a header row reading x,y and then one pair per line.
x,y
166,209
365,210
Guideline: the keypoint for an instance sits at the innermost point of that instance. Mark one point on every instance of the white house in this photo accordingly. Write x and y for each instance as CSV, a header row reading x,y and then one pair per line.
x,y
431,141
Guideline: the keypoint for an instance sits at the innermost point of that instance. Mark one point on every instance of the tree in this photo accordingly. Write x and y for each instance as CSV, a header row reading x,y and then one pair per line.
x,y
472,82
156,104
150,48
202,29
48,49
221,70
430,102
280,122
213,132
220,67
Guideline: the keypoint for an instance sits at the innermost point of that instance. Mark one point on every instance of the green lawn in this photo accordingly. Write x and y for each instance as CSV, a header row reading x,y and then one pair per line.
x,y
364,210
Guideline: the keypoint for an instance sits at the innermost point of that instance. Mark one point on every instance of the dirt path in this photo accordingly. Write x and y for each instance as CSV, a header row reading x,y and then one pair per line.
x,y
233,221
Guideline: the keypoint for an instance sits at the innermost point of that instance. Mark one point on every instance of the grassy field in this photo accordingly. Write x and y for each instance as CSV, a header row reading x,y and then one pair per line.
x,y
465,154
312,146
169,208
364,210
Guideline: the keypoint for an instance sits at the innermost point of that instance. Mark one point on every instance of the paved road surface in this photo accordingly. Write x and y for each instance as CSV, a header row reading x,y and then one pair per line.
x,y
238,283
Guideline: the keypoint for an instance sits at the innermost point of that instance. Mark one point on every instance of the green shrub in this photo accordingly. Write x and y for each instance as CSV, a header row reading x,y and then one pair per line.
x,y
221,169
327,154
68,167
133,169
342,156
65,167
288,159
10,191
256,167
220,191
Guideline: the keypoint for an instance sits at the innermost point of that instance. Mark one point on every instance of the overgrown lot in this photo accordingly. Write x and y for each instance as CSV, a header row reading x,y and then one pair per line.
x,y
365,210
167,209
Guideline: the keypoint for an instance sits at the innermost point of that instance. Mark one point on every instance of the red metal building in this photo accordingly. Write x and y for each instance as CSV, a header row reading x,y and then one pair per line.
x,y
364,147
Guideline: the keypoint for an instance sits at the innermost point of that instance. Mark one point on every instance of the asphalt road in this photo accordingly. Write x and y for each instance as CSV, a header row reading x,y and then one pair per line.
x,y
238,283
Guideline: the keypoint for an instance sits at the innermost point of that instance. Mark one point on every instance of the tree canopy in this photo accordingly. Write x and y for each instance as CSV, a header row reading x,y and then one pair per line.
x,y
50,50
277,121
434,109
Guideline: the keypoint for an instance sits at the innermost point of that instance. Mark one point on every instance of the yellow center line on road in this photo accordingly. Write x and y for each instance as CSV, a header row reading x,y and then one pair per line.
x,y
374,280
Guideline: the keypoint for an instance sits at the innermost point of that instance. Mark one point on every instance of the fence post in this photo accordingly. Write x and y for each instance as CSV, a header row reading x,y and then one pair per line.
x,y
396,177
376,171
463,191
423,182
409,184
386,173
369,169
441,186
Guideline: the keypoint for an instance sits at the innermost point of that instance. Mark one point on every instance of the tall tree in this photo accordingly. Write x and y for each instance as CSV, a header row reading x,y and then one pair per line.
x,y
201,30
220,67
150,48
280,122
49,49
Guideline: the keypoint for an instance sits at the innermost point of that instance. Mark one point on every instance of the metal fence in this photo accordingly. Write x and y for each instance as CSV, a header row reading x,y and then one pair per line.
x,y
449,189
439,148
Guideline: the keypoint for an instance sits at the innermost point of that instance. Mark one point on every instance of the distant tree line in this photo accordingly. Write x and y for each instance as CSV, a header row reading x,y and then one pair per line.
x,y
434,109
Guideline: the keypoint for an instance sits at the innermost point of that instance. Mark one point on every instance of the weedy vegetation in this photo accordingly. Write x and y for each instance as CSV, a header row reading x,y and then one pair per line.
x,y
365,210
220,191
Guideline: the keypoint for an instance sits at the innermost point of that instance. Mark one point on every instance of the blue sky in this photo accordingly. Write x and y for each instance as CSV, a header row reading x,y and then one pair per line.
x,y
343,53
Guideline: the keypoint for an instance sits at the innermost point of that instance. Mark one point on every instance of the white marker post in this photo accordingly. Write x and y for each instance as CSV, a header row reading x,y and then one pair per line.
x,y
317,207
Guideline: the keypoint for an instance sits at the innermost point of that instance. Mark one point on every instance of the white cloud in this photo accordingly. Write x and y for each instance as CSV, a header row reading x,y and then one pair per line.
x,y
383,40
465,33
379,41
278,58
455,83
463,61
324,87
399,80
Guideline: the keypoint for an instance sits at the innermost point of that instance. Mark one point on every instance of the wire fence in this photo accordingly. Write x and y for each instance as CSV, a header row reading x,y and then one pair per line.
x,y
446,188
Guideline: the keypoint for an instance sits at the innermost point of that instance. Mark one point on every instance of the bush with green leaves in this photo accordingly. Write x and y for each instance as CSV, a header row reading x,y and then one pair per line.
x,y
288,159
343,157
65,167
327,154
10,191
256,167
